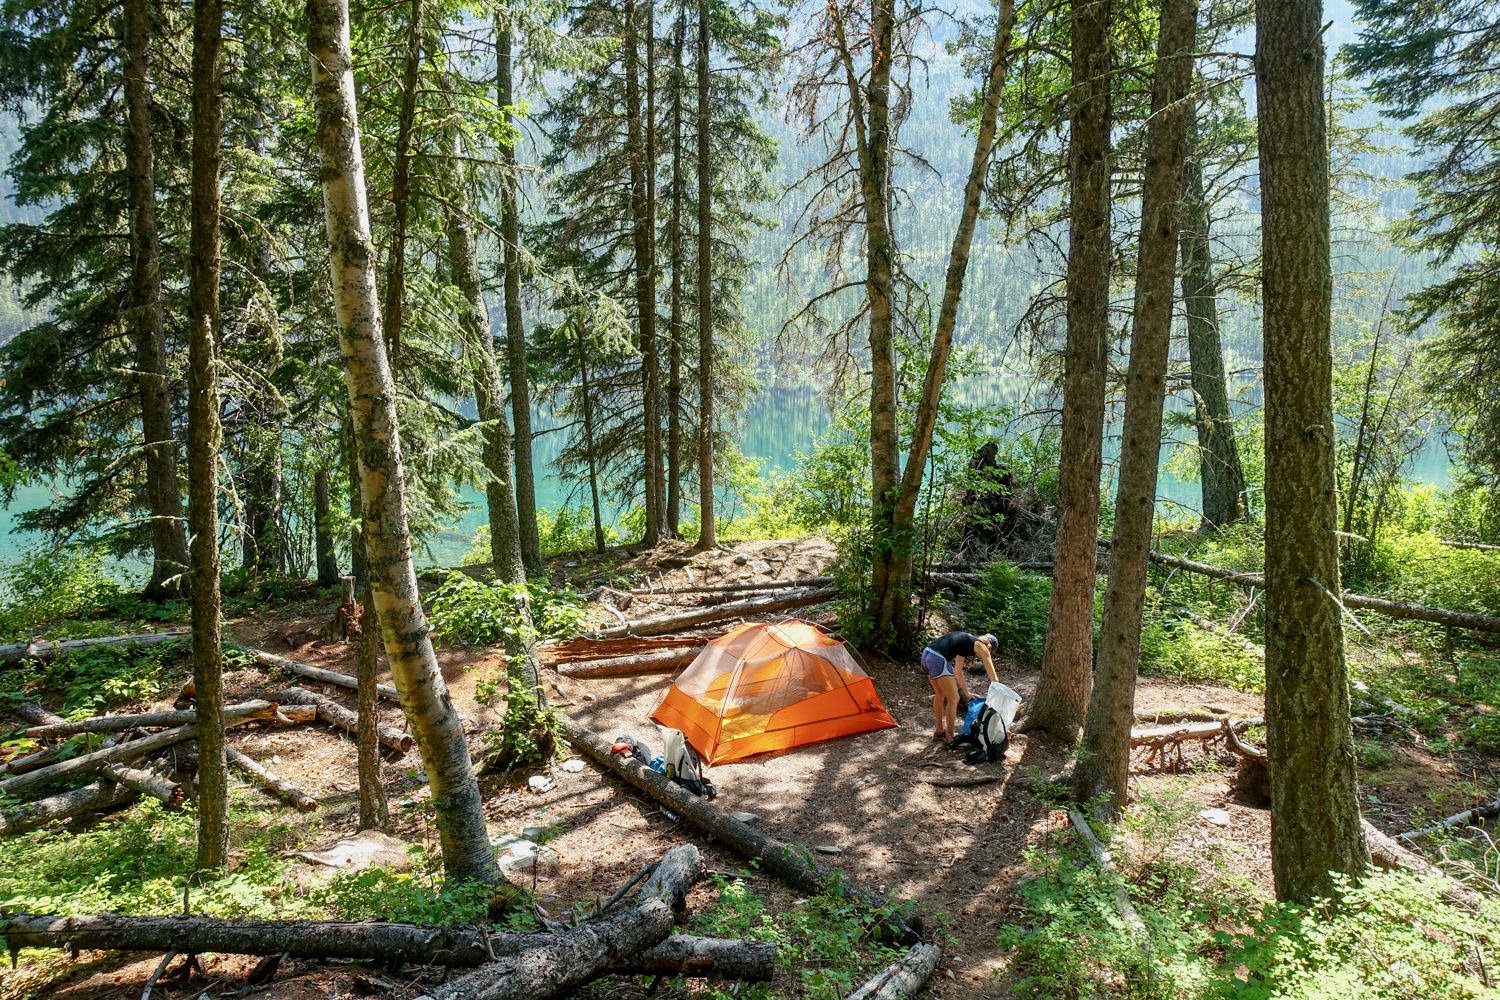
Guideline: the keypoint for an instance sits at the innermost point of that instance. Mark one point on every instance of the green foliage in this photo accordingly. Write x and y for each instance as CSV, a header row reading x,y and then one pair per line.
x,y
420,896
1391,936
1176,648
826,942
569,528
52,584
96,678
1012,604
473,613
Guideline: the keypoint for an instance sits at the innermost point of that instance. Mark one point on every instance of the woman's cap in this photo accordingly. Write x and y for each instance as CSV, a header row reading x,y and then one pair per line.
x,y
990,641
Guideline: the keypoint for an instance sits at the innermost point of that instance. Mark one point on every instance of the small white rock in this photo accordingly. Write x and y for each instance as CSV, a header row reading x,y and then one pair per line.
x,y
744,817
828,849
541,783
573,765
1218,817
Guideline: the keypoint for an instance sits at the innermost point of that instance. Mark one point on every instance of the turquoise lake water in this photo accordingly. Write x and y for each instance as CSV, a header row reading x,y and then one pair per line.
x,y
779,424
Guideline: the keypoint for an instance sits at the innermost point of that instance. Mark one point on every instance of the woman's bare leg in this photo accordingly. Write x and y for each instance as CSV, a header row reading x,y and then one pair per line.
x,y
937,704
949,688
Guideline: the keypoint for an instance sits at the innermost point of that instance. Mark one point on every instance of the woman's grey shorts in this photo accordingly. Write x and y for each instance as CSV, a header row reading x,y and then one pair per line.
x,y
936,664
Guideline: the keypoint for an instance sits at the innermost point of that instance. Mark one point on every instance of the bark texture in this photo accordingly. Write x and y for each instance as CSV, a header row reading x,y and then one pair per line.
x,y
328,564
674,297
371,940
406,113
902,529
64,805
643,233
489,394
1062,694
1104,762
393,582
204,435
707,536
272,782
1315,826
169,546
515,331
1219,467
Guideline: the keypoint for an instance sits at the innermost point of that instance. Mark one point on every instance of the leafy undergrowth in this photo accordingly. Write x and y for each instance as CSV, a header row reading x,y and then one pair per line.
x,y
1213,935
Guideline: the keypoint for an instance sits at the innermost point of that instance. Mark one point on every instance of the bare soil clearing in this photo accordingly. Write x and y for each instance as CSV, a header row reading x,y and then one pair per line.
x,y
956,853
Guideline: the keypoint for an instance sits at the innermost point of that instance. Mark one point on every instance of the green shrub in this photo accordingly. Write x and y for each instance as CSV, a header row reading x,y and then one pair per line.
x,y
1175,648
47,585
1391,936
1013,605
473,613
827,941
97,677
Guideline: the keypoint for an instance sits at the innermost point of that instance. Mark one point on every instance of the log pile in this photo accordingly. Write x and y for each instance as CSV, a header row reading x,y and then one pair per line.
x,y
133,760
622,937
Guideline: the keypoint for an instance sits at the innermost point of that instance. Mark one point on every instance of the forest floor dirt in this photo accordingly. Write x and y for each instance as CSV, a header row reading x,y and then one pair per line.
x,y
958,854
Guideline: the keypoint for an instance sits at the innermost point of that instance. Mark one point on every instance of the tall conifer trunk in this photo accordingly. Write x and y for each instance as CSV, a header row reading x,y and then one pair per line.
x,y
1062,694
1315,823
489,392
327,562
204,436
406,114
515,330
1104,759
901,530
642,189
674,324
435,724
1220,470
588,438
707,537
169,546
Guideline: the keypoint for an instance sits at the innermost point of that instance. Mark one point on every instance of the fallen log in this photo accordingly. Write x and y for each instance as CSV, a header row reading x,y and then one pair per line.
x,y
32,761
736,588
673,878
1123,906
17,651
703,958
136,779
574,650
793,865
1391,609
1386,852
663,661
1481,546
1214,628
338,716
64,805
370,940
277,786
904,977
737,609
1160,736
313,673
121,723
1474,815
558,963
1252,780
90,762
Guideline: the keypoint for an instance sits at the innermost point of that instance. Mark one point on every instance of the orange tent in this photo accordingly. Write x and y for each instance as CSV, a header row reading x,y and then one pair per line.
x,y
770,686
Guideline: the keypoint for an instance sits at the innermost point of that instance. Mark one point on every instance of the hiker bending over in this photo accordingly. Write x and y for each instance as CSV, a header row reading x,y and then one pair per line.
x,y
943,660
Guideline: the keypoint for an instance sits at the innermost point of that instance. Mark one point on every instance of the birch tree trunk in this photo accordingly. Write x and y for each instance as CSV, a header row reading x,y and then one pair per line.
x,y
515,331
169,546
1062,694
707,537
414,669
204,436
1219,467
1104,760
902,528
1315,825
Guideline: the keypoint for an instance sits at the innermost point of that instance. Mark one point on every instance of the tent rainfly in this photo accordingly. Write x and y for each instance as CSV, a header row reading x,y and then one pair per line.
x,y
765,687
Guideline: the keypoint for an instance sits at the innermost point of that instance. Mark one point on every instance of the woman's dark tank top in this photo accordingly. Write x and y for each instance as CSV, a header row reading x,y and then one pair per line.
x,y
953,644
